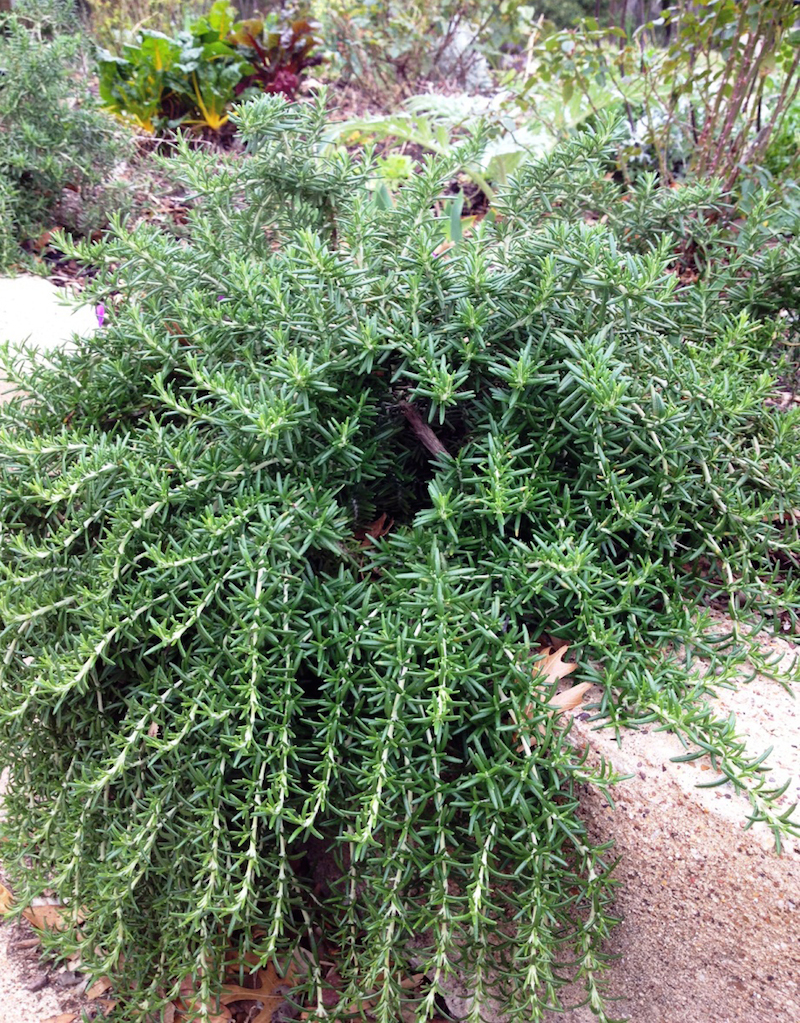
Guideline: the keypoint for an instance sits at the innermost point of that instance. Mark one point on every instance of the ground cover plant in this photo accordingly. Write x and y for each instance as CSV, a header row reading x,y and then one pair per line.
x,y
281,545
53,137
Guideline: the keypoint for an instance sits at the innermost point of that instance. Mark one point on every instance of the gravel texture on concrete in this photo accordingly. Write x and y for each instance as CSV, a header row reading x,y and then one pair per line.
x,y
21,998
710,928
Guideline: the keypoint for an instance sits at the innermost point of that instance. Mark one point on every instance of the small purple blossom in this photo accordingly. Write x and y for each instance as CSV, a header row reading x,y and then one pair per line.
x,y
222,298
100,311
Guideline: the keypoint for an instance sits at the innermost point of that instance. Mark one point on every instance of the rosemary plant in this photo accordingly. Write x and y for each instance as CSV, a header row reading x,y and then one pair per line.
x,y
54,141
280,543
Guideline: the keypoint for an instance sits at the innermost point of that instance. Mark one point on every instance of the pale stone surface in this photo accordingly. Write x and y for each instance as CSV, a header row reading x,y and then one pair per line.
x,y
17,1003
34,311
710,928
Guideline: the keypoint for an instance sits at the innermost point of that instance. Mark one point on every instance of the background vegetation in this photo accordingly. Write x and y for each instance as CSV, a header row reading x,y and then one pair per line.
x,y
53,138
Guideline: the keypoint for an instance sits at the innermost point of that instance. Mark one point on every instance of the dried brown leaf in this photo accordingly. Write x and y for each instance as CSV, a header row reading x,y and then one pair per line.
x,y
547,672
6,899
51,914
99,988
570,698
375,530
188,987
551,666
48,916
409,983
271,991
64,1017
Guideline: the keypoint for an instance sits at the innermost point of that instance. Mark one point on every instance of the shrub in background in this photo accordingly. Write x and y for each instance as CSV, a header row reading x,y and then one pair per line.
x,y
782,157
52,136
278,547
386,47
564,13
704,86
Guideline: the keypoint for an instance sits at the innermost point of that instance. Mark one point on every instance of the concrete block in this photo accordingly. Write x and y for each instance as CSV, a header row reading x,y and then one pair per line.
x,y
34,311
710,928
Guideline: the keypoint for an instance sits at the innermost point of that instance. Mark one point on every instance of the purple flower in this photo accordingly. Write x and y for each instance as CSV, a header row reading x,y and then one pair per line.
x,y
222,298
100,311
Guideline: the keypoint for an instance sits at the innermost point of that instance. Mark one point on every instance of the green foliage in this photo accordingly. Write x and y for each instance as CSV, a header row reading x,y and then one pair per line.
x,y
280,55
135,83
782,157
564,13
215,675
389,46
52,136
480,127
704,87
194,77
8,231
395,169
114,22
436,124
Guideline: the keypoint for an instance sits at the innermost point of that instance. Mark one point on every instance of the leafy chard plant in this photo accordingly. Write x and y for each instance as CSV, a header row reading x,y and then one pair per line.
x,y
194,77
281,543
136,82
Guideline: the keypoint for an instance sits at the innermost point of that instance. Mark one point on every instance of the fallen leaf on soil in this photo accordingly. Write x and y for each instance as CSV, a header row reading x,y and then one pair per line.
x,y
99,988
570,698
547,672
270,992
377,529
550,669
43,240
64,1017
50,913
552,666
6,899
47,916
189,1006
